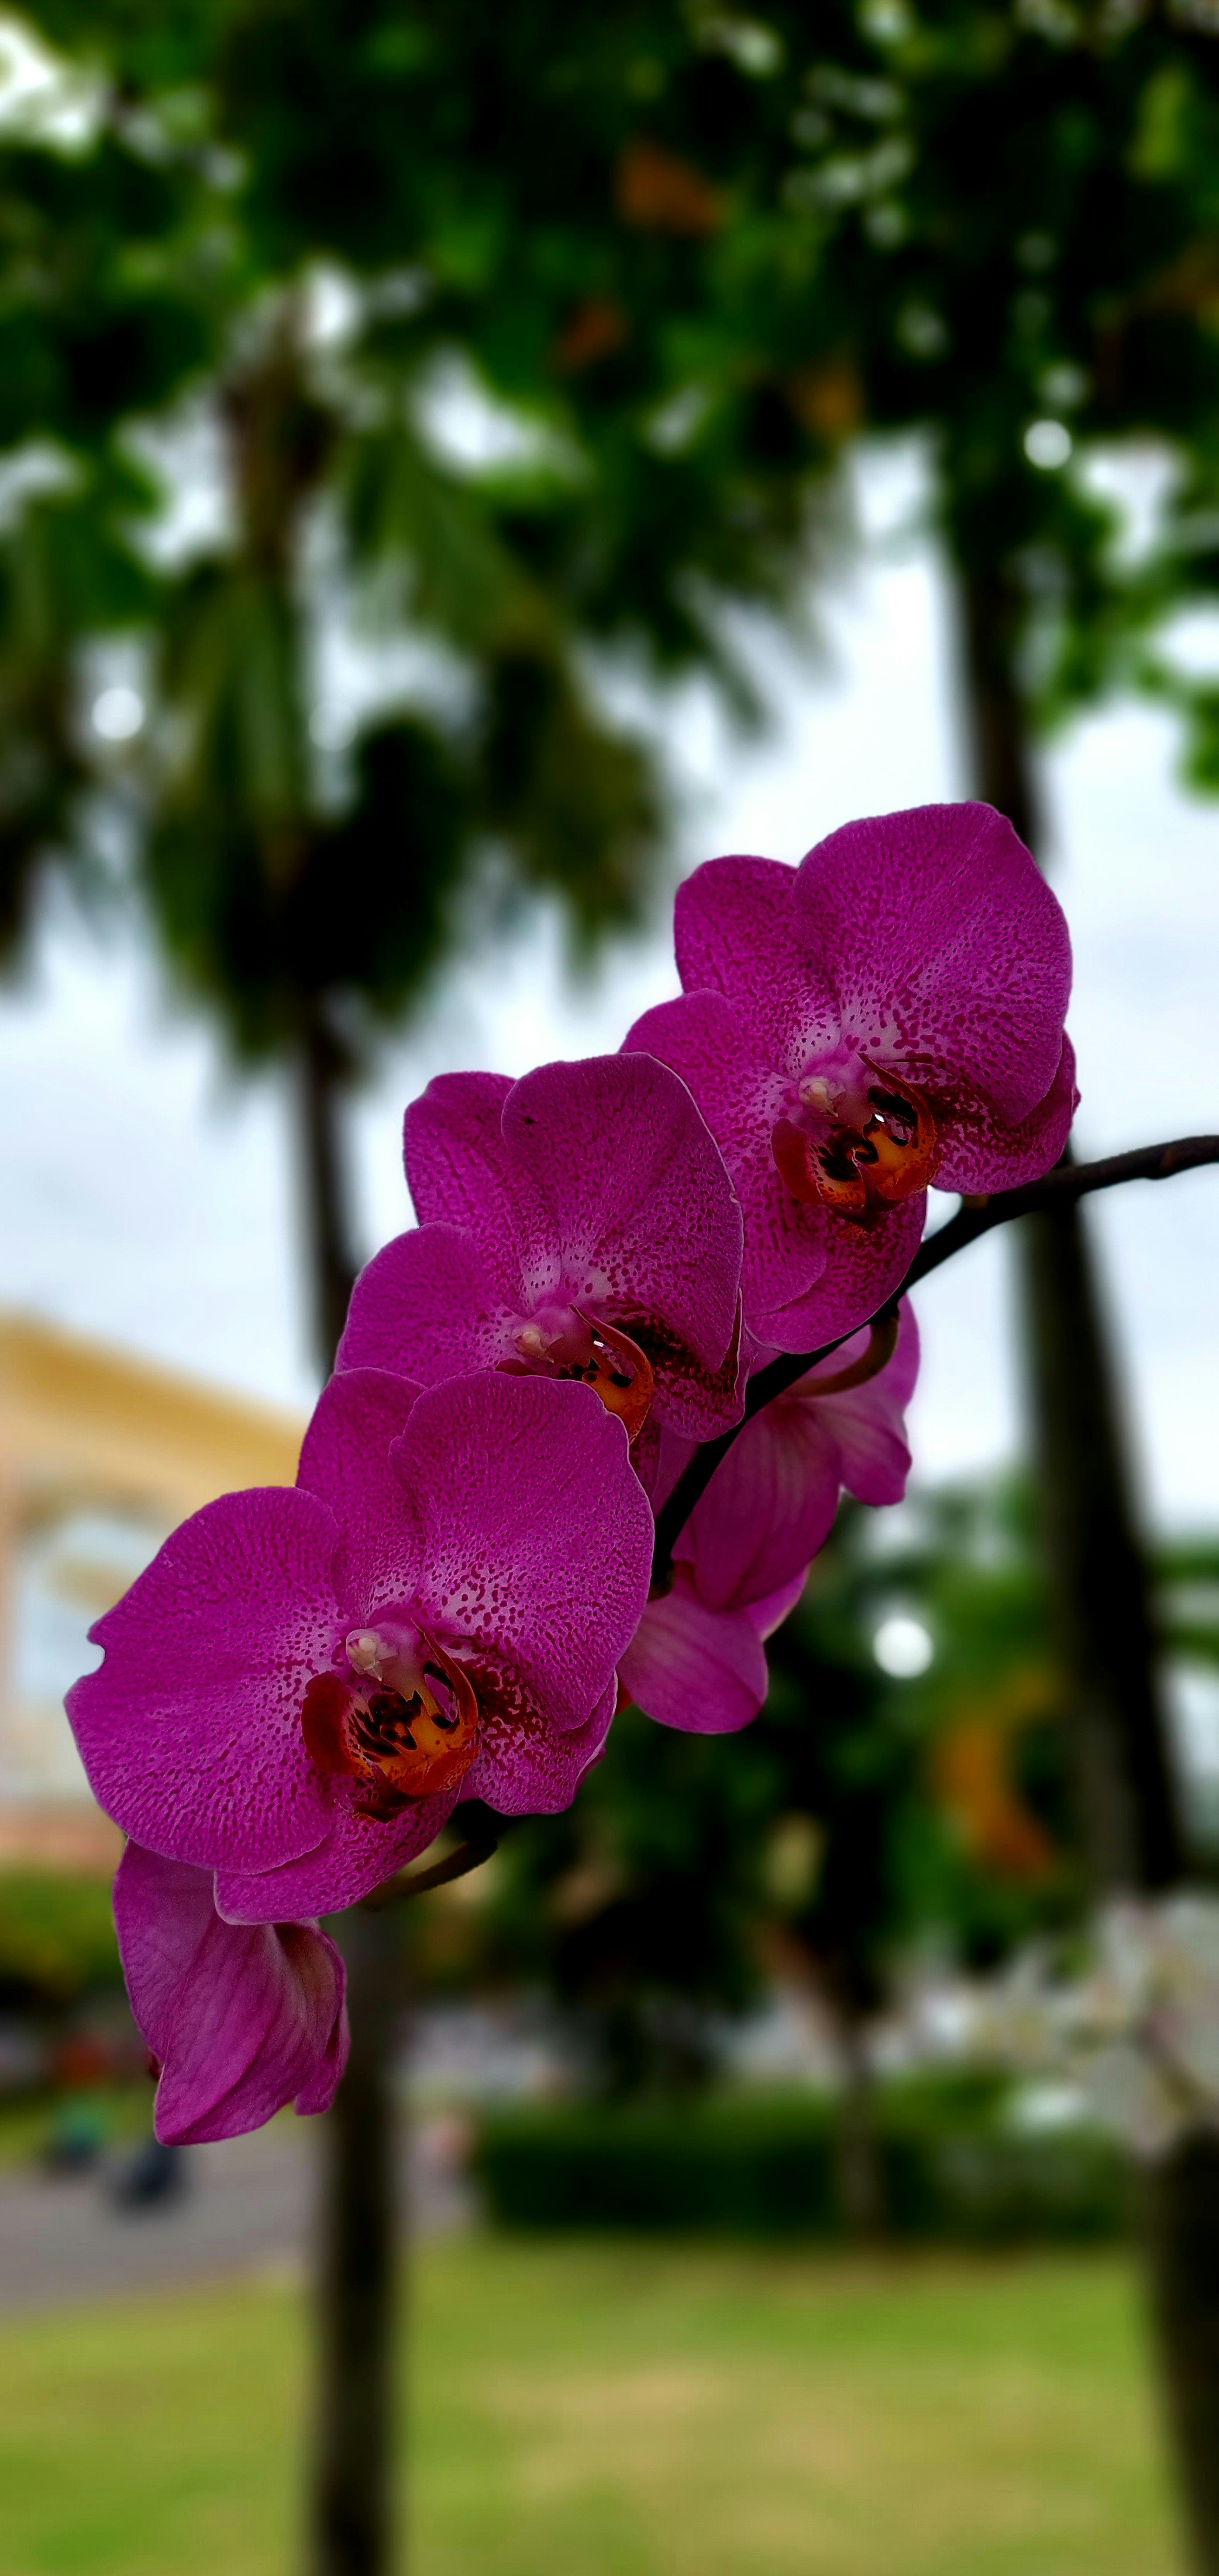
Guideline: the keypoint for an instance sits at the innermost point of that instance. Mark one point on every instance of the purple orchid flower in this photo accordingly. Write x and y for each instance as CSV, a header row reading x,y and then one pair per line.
x,y
241,2018
888,1014
576,1224
739,1566
304,1681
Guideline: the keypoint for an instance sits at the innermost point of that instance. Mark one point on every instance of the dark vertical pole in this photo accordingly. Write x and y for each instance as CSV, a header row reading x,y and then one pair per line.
x,y
1127,1794
1181,2224
332,1262
1129,1808
352,2528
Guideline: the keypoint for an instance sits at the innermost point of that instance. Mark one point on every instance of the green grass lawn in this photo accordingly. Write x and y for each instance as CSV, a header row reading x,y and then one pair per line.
x,y
595,2410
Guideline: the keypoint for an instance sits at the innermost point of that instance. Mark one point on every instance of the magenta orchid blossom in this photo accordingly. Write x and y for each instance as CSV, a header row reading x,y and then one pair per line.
x,y
888,1014
576,1224
697,1661
240,2018
298,1689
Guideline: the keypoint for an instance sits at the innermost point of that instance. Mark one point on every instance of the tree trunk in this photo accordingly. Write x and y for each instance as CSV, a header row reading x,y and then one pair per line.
x,y
358,2272
327,1217
352,2529
1132,1828
859,2170
1098,1578
1126,1792
1181,2199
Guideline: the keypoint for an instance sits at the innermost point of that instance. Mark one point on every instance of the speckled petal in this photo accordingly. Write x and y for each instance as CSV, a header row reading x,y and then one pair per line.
x,y
946,950
535,1536
428,1307
740,1094
982,1154
358,1854
190,1730
456,1167
242,2018
694,1402
863,1267
345,1461
526,1766
625,1181
735,933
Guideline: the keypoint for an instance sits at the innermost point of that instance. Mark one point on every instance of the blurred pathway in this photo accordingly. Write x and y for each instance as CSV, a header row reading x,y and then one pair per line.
x,y
246,2207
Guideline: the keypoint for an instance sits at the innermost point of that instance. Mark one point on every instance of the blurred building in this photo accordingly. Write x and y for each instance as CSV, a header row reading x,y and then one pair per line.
x,y
100,1456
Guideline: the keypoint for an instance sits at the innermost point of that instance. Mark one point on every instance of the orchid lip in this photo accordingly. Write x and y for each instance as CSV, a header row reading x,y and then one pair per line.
x,y
574,1342
858,1158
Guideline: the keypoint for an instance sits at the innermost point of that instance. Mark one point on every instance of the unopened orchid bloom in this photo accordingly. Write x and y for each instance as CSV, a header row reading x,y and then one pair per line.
x,y
887,1015
576,1224
739,1565
240,2018
298,1689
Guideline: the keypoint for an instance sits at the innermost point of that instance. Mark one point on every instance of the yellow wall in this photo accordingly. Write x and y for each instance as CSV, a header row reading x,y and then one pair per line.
x,y
87,1428
78,1418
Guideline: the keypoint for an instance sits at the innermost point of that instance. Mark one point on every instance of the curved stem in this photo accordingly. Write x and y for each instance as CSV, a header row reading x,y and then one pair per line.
x,y
416,1882
882,1342
974,1218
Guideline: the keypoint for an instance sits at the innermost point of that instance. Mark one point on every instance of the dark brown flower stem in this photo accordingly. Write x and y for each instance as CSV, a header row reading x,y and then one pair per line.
x,y
440,1873
1062,1187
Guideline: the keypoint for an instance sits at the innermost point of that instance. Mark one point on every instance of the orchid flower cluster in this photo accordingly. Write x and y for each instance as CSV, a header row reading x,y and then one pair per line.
x,y
1137,2034
454,1598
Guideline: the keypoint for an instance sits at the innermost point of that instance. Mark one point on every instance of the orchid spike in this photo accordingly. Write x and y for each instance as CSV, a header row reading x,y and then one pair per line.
x,y
887,1015
301,1685
576,1224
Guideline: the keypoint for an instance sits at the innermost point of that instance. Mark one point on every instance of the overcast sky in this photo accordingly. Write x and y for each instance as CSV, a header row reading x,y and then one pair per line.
x,y
149,1200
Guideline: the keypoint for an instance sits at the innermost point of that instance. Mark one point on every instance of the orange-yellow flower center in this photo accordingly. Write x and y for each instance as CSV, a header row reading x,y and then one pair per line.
x,y
860,1169
401,1732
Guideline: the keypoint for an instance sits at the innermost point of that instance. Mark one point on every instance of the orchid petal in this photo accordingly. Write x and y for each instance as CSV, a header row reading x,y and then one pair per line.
x,y
981,1154
453,1149
769,1506
694,1668
428,1307
947,952
867,1422
359,1853
190,1730
535,1537
524,1767
735,933
626,1182
243,2019
345,1462
715,1051
866,1265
